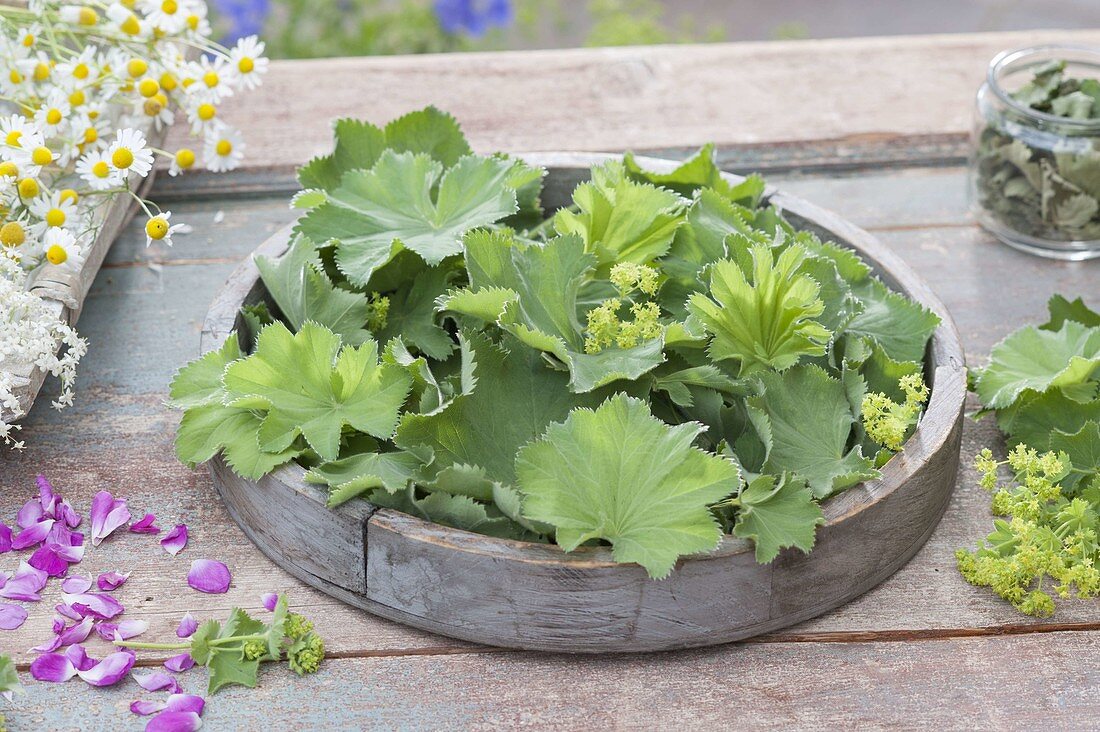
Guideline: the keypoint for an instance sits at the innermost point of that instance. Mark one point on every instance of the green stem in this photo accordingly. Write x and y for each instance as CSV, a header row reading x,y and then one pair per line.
x,y
152,646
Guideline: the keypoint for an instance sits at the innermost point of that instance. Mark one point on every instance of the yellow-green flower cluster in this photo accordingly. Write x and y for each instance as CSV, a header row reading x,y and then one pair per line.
x,y
607,328
887,422
1046,535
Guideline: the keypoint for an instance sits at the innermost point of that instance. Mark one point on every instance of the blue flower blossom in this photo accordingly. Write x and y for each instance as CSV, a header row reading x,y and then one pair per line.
x,y
246,17
473,17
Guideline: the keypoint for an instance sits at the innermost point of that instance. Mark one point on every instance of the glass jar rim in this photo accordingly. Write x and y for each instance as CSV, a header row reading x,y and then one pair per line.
x,y
1004,58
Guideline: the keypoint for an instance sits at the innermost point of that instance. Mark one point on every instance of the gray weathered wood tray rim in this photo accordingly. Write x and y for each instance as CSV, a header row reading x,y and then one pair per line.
x,y
936,438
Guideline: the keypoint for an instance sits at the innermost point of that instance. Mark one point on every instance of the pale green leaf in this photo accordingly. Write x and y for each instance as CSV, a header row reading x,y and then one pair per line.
x,y
777,513
900,325
1038,359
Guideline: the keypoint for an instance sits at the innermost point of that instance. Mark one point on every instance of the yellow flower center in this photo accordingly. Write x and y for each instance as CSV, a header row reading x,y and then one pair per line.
x,y
167,81
28,40
210,78
41,156
129,3
8,169
206,112
28,188
123,158
53,116
55,217
41,71
90,135
77,98
93,114
193,22
12,234
152,107
224,147
148,87
87,16
185,158
13,138
169,7
81,71
69,195
161,98
101,169
187,83
136,67
16,77
156,228
57,254
246,65
131,25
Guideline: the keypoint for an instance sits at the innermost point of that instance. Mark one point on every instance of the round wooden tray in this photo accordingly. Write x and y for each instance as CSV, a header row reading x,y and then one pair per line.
x,y
534,596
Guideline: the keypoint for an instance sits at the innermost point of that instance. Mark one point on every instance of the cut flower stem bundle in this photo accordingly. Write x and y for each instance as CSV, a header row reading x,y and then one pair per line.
x,y
663,361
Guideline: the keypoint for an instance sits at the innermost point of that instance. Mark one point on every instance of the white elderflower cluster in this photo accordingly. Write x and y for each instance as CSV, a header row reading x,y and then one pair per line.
x,y
82,85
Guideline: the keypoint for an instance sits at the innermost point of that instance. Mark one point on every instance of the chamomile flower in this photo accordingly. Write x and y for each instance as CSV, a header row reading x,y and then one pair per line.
x,y
184,159
96,170
52,116
79,71
204,118
122,19
78,15
25,40
60,248
129,152
157,110
158,228
223,150
53,211
16,132
169,16
246,62
195,22
212,79
31,156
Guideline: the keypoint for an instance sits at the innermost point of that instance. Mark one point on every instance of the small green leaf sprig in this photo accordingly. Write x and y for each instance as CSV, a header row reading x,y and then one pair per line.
x,y
233,651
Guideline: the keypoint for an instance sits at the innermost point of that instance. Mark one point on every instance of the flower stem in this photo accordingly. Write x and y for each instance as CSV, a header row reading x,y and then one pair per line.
x,y
152,646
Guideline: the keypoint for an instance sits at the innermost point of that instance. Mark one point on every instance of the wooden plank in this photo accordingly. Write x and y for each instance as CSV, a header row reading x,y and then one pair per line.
x,y
1014,683
138,314
848,91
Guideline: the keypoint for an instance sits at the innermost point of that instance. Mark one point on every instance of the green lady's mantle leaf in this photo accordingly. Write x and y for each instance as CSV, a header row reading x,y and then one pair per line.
x,y
768,324
408,201
777,513
1038,359
618,473
308,385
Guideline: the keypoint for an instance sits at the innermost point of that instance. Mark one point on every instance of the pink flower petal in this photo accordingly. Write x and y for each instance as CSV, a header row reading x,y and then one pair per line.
x,y
47,496
174,722
270,600
67,611
147,525
110,581
33,534
108,513
54,559
25,584
5,538
175,540
78,655
188,625
67,515
185,703
11,616
53,667
144,708
180,663
110,670
76,584
121,631
66,636
30,514
102,607
210,576
156,681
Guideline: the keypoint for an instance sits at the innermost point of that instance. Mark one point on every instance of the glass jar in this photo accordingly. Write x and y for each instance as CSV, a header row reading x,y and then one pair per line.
x,y
1034,178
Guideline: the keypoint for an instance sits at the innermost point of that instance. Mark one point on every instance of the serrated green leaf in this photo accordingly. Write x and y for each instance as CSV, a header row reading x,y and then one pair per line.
x,y
304,293
227,668
900,325
308,385
1038,359
9,679
1083,449
1033,417
1062,310
357,474
409,201
805,418
619,474
776,514
700,171
768,324
200,382
200,641
412,313
460,512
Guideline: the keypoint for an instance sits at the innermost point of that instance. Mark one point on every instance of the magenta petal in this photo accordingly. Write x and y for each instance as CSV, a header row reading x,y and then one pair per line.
x,y
54,559
108,513
67,515
110,670
34,534
67,611
175,540
76,583
209,576
185,703
110,581
24,584
78,655
5,538
174,722
145,708
52,667
156,681
188,625
75,633
147,525
30,514
103,607
121,631
270,600
180,663
11,616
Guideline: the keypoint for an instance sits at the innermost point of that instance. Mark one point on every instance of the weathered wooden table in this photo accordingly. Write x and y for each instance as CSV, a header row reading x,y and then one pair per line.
x,y
873,129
